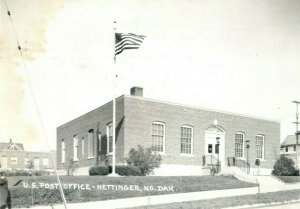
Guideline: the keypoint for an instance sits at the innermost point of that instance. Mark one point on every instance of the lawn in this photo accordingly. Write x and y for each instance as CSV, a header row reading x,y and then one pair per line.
x,y
290,179
44,190
227,202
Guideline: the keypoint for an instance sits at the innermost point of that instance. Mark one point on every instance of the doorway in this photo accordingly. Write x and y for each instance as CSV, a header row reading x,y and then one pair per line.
x,y
212,149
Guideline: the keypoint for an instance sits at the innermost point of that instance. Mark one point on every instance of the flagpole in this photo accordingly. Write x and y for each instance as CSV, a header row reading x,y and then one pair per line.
x,y
114,110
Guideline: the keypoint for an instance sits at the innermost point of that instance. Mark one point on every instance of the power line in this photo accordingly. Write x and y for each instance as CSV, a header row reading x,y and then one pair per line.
x,y
34,99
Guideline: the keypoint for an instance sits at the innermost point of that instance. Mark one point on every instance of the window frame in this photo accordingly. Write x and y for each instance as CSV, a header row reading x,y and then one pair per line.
x,y
91,144
45,160
109,137
14,158
243,145
192,140
63,151
82,146
163,137
263,147
75,147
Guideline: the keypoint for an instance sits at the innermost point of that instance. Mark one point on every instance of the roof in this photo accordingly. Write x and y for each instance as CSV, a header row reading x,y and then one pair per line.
x,y
11,145
289,140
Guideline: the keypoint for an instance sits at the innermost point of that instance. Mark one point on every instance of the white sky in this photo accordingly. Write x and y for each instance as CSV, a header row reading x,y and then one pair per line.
x,y
230,55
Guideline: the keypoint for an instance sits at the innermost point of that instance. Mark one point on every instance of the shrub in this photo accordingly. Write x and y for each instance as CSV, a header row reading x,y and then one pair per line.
x,y
284,167
127,170
71,167
144,159
99,170
26,172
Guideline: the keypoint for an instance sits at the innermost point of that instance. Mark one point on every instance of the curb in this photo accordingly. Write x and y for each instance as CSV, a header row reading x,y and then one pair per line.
x,y
264,204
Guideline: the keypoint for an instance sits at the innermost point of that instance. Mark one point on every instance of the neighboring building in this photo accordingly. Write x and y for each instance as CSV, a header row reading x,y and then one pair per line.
x,y
289,148
13,156
185,136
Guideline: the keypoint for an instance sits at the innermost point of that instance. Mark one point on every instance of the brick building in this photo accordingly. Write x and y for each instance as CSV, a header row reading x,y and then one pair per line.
x,y
185,136
14,156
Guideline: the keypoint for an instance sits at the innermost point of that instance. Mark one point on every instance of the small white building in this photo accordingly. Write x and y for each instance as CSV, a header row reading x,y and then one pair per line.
x,y
289,148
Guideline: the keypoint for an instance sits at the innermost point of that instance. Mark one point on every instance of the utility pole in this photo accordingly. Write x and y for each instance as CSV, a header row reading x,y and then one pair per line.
x,y
297,133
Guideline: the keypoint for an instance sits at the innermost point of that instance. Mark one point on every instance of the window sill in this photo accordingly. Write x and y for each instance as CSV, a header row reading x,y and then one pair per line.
x,y
62,162
109,154
75,160
186,155
90,157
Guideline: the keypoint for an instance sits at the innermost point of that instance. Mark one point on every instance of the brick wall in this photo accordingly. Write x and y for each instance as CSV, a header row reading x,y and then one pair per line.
x,y
134,117
141,112
97,120
21,155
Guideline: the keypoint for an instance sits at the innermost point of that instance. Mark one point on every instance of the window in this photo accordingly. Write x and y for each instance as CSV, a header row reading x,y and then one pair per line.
x,y
217,148
91,143
63,151
75,148
14,160
186,140
158,136
26,161
286,149
209,148
99,142
82,147
46,161
260,146
239,144
36,163
294,148
109,133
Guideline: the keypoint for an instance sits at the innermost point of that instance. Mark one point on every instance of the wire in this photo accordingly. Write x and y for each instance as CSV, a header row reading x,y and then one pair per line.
x,y
34,100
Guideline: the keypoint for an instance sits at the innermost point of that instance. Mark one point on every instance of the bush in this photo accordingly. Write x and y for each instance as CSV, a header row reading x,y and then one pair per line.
x,y
99,170
144,159
284,167
126,170
26,172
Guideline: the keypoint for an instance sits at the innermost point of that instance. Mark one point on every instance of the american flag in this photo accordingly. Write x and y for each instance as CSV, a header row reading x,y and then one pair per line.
x,y
127,41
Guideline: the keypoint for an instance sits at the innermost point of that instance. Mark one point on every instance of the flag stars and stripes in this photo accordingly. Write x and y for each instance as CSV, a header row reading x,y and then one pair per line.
x,y
127,41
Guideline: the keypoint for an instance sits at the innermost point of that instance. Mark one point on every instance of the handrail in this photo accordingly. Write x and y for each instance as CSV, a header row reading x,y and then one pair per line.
x,y
239,163
212,162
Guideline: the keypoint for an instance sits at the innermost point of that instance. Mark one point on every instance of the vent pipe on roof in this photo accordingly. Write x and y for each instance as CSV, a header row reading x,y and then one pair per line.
x,y
136,91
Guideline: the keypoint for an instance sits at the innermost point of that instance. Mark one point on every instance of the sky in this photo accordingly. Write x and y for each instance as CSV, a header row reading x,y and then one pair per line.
x,y
228,55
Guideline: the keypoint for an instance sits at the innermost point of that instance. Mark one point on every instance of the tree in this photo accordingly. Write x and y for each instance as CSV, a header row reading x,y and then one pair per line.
x,y
284,167
144,159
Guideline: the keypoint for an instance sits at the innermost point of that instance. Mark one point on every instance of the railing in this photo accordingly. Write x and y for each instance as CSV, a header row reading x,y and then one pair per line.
x,y
239,163
212,162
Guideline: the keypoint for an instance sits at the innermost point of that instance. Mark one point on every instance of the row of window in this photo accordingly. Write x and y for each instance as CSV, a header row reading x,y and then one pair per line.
x,y
287,149
158,142
14,161
90,147
240,145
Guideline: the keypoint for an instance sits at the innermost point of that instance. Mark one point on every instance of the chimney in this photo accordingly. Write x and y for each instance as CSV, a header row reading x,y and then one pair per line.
x,y
136,91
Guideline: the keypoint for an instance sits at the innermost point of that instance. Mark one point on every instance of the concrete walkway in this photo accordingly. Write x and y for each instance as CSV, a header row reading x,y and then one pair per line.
x,y
267,184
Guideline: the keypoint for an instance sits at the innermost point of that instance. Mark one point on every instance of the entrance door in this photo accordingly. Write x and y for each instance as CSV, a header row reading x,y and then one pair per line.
x,y
4,162
212,149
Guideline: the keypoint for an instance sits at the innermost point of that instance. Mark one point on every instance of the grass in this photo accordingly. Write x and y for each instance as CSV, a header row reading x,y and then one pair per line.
x,y
26,196
290,179
225,202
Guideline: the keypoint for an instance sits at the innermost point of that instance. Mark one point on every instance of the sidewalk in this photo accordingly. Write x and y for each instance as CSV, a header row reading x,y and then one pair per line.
x,y
267,184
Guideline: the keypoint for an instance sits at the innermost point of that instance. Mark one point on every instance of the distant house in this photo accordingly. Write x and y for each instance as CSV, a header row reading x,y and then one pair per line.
x,y
14,156
185,136
289,148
